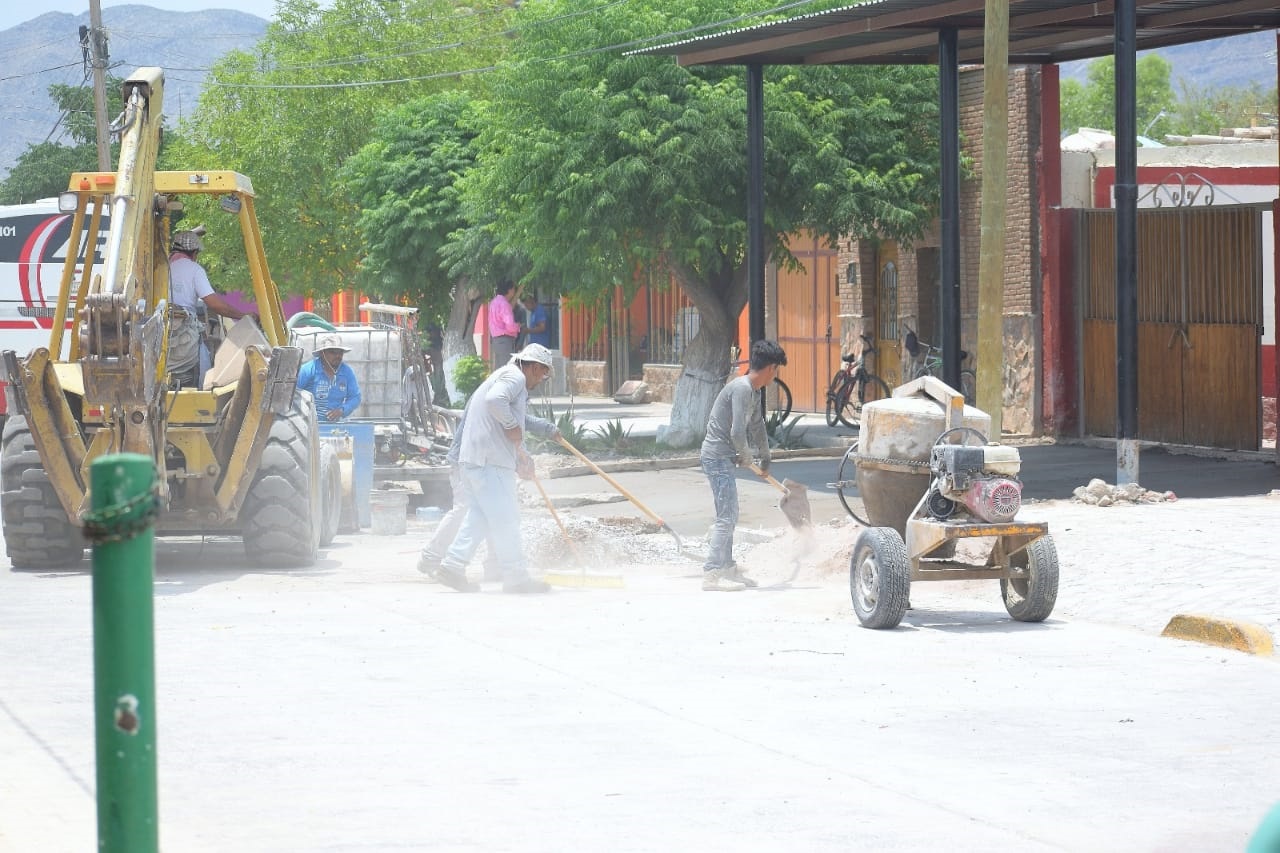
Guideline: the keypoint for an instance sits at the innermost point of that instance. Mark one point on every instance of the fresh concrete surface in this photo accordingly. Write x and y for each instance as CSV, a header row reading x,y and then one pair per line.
x,y
355,707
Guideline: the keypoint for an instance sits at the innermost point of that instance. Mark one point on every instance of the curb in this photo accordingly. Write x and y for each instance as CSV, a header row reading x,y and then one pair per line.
x,y
1228,633
680,462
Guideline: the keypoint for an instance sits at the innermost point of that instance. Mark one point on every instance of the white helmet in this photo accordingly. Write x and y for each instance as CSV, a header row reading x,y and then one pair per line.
x,y
534,352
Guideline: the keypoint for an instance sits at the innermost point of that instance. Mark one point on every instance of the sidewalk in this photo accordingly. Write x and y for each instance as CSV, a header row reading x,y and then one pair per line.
x,y
644,419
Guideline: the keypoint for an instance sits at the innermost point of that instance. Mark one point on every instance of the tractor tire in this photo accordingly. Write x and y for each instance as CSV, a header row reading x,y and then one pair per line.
x,y
880,578
279,526
1032,599
37,532
330,494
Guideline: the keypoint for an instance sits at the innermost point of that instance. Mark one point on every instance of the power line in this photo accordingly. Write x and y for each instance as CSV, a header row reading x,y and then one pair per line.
x,y
41,71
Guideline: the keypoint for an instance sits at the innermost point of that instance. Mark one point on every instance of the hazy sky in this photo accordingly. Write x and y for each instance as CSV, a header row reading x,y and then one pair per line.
x,y
14,12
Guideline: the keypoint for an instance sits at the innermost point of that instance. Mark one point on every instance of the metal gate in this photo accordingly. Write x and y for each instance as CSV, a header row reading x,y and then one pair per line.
x,y
807,307
1199,324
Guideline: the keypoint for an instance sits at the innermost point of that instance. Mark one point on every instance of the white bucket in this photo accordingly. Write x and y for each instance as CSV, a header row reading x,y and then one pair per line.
x,y
388,512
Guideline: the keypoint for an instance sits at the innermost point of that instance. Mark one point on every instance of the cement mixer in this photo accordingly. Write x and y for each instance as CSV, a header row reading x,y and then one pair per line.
x,y
929,479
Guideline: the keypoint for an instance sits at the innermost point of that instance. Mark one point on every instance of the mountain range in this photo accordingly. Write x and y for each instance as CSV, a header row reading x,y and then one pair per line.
x,y
46,50
1234,61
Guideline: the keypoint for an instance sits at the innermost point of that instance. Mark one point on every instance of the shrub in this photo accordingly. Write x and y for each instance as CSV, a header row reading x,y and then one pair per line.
x,y
784,435
468,373
613,437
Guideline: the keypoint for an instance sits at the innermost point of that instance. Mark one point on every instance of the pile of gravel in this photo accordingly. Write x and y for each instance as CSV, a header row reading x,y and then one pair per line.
x,y
1102,493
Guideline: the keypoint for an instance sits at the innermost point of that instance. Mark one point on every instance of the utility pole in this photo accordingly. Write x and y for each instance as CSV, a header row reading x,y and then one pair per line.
x,y
98,45
995,138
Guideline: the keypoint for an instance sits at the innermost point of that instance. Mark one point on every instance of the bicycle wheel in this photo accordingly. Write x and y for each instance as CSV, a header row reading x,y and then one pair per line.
x,y
847,479
778,401
969,387
833,396
869,390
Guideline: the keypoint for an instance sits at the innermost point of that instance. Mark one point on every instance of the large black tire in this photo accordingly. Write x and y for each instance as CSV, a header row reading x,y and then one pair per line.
x,y
330,494
37,532
850,410
880,578
279,526
1032,599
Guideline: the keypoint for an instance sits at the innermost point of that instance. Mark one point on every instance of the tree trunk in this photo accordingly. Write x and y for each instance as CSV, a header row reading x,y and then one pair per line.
x,y
706,365
456,335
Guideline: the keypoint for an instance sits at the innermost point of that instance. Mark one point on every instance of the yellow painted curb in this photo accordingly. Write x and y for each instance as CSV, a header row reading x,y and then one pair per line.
x,y
580,580
1228,633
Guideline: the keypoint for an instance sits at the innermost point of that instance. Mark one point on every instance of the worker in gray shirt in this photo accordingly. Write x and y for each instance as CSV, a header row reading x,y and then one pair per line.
x,y
736,436
491,454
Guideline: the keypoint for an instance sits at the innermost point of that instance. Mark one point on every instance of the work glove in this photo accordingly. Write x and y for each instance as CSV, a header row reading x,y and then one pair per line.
x,y
763,464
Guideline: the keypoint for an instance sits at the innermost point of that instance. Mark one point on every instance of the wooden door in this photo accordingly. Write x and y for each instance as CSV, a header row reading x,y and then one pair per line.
x,y
807,308
888,361
1199,325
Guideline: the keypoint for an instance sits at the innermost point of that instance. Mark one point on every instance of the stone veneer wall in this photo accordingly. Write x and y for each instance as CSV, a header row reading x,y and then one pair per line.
x,y
661,379
587,378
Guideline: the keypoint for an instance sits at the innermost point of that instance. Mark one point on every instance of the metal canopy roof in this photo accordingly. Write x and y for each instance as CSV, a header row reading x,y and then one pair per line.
x,y
905,32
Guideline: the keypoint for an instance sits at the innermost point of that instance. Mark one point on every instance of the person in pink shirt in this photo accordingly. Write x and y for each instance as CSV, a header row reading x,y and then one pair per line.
x,y
503,327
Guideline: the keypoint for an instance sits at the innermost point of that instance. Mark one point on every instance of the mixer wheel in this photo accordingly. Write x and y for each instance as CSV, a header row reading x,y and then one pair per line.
x,y
1031,599
880,578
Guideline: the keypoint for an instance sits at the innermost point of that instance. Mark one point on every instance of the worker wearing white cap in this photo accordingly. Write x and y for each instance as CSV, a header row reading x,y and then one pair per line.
x,y
491,454
331,382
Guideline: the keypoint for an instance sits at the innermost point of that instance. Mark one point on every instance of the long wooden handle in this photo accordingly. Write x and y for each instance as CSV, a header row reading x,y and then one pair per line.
x,y
756,469
594,467
573,546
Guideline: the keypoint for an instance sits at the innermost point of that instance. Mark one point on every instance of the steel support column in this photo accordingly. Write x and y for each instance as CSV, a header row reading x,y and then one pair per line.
x,y
1126,187
949,150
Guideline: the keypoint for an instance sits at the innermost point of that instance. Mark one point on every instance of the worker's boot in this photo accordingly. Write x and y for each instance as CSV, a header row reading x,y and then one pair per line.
x,y
718,580
735,573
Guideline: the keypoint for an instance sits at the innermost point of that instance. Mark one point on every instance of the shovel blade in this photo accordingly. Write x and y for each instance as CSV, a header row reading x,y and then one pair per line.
x,y
795,503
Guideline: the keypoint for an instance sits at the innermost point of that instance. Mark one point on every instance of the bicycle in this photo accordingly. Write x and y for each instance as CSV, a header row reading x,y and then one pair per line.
x,y
931,365
853,386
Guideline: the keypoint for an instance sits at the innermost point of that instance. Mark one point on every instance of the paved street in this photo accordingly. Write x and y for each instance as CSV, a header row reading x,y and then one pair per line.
x,y
356,707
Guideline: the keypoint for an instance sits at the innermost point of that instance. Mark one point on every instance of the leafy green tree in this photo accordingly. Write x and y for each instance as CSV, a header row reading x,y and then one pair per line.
x,y
594,164
1093,104
1202,109
43,169
404,183
291,113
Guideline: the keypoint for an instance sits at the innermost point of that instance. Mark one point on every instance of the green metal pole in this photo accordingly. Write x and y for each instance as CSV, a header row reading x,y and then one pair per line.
x,y
124,670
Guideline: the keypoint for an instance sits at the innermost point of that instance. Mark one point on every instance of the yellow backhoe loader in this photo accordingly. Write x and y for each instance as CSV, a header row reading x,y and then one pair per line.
x,y
241,458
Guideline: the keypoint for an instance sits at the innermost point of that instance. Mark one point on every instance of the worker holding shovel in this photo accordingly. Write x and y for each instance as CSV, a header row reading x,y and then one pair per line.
x,y
491,453
736,436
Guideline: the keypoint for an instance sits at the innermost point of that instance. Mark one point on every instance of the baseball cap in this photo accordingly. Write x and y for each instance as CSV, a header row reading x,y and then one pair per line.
x,y
534,352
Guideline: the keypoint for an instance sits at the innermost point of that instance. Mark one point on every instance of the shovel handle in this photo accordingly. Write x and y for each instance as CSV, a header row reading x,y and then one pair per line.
x,y
767,477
